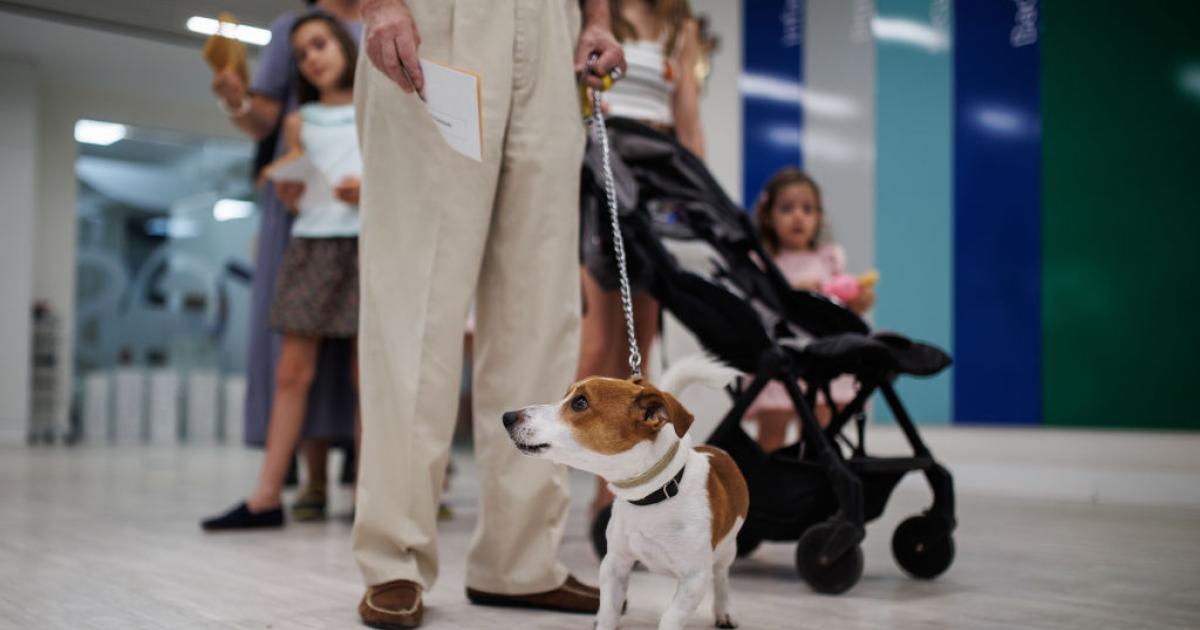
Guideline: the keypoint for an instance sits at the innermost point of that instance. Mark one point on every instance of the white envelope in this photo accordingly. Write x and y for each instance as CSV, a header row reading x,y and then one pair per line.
x,y
452,97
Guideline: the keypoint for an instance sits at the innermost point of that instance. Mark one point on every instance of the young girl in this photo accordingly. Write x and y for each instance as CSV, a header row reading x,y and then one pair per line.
x,y
661,45
316,292
791,224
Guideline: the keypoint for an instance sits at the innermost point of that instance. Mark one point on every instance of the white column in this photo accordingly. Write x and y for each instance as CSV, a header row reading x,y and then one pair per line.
x,y
720,103
18,160
839,121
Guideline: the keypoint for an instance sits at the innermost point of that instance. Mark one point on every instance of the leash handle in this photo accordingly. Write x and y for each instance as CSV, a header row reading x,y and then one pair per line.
x,y
600,135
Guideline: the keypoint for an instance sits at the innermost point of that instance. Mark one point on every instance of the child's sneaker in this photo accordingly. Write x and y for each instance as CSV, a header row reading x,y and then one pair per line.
x,y
310,505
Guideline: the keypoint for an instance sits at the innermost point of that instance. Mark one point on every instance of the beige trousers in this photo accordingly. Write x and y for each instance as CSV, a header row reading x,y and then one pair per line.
x,y
439,230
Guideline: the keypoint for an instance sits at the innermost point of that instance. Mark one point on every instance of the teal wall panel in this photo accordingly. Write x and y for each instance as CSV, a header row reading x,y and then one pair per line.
x,y
913,210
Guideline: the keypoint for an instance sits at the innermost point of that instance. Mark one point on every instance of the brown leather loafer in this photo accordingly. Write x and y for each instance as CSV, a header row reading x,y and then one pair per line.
x,y
573,597
392,605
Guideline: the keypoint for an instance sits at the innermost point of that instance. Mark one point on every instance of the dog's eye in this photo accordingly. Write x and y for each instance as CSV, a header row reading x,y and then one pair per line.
x,y
579,404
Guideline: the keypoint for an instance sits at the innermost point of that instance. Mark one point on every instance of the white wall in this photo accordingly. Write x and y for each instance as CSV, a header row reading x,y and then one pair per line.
x,y
839,126
720,106
18,159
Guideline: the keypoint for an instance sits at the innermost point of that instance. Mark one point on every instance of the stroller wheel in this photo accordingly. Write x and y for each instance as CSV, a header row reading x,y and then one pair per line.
x,y
747,542
600,531
832,576
923,546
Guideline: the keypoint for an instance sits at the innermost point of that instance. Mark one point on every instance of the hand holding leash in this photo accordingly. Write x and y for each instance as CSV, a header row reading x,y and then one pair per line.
x,y
600,135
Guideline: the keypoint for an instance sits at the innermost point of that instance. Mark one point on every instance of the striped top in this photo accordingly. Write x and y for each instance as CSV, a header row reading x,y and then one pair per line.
x,y
645,92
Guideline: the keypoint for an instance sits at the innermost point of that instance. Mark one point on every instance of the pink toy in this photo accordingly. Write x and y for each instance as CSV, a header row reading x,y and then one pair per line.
x,y
847,288
843,286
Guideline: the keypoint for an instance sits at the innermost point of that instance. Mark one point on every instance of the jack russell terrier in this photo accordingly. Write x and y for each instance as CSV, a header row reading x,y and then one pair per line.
x,y
678,508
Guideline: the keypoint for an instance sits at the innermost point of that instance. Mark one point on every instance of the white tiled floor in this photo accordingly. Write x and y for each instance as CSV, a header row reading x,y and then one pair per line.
x,y
107,537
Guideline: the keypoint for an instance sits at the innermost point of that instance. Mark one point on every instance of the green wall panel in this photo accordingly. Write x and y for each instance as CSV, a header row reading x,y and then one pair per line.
x,y
1121,155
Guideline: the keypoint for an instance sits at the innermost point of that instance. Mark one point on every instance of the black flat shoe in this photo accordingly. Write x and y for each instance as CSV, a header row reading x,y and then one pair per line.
x,y
240,517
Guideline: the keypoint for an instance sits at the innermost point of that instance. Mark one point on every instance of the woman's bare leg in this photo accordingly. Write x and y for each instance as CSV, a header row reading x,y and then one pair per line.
x,y
602,322
316,459
602,318
772,428
645,326
824,414
293,376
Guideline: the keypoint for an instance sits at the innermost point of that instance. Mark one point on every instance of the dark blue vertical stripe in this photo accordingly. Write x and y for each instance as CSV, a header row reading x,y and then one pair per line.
x,y
997,213
772,71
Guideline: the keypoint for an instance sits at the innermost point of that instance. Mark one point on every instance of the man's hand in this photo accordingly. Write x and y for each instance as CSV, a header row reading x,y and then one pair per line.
x,y
392,42
597,39
289,194
347,190
228,87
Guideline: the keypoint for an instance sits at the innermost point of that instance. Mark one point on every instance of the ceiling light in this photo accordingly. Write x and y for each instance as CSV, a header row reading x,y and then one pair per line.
x,y
98,133
229,209
248,34
1002,120
911,32
790,91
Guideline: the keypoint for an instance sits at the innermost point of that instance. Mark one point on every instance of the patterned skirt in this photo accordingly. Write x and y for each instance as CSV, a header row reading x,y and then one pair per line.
x,y
316,292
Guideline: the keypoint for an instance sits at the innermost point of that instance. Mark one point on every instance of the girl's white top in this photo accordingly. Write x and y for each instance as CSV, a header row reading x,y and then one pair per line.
x,y
331,143
644,93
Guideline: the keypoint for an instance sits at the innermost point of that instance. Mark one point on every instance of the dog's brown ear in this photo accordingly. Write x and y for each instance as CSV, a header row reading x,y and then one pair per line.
x,y
659,408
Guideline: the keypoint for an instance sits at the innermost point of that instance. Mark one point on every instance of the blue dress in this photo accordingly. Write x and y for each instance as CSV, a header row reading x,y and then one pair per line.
x,y
331,399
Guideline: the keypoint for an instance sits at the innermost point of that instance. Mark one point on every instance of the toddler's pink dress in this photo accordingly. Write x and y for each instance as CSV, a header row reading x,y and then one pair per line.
x,y
807,267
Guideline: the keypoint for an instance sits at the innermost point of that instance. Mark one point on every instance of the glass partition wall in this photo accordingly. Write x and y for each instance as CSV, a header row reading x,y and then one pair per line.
x,y
166,226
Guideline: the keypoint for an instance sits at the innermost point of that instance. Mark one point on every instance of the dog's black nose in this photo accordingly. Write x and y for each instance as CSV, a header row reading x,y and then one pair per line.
x,y
511,418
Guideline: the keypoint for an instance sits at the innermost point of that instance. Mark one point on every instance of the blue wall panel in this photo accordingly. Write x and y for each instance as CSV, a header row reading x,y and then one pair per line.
x,y
997,214
772,73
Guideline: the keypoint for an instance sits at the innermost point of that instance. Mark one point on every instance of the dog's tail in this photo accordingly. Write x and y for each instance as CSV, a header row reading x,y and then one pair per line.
x,y
696,368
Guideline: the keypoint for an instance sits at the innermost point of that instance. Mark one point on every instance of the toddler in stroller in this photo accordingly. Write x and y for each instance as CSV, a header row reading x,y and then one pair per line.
x,y
824,489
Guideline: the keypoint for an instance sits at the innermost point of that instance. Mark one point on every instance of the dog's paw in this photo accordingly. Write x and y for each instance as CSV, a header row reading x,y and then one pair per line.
x,y
726,620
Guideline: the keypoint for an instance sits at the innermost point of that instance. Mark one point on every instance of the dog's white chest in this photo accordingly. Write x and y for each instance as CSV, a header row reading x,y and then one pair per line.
x,y
657,554
669,537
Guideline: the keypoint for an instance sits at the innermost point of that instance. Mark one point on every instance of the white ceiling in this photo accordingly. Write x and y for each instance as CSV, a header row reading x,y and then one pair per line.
x,y
153,19
139,47
85,56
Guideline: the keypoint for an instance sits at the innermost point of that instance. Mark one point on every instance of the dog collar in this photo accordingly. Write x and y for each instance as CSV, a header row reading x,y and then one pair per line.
x,y
662,494
652,472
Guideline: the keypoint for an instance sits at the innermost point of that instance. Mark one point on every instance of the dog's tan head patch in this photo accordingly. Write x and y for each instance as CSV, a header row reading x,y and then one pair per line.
x,y
611,416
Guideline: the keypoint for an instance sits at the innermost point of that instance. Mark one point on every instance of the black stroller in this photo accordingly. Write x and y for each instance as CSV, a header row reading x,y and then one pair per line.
x,y
823,489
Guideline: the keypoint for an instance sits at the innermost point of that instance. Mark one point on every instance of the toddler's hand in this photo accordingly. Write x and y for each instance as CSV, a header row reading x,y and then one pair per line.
x,y
347,190
864,301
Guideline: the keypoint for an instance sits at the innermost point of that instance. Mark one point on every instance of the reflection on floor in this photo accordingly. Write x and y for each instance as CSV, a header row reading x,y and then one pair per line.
x,y
107,537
